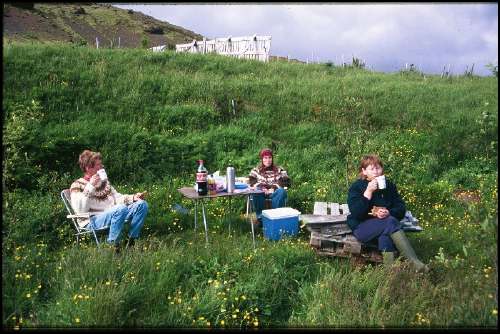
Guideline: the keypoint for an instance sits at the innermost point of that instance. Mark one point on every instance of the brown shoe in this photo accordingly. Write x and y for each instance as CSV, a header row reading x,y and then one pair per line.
x,y
256,222
130,243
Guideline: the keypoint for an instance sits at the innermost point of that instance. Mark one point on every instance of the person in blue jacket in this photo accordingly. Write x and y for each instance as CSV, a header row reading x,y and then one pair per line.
x,y
375,213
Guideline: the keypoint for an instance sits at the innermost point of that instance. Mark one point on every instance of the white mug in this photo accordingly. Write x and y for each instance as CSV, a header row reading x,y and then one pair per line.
x,y
381,181
102,174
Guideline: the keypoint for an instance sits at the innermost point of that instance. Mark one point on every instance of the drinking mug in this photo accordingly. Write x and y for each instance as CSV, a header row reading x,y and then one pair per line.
x,y
381,181
102,174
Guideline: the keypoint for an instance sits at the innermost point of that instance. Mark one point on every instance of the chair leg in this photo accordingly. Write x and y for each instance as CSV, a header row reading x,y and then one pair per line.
x,y
268,204
95,236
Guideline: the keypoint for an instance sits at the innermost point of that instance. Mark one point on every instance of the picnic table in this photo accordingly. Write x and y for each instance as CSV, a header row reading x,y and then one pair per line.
x,y
191,193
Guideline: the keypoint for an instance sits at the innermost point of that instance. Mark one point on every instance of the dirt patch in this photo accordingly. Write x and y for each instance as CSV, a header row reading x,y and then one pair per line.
x,y
467,196
74,23
30,24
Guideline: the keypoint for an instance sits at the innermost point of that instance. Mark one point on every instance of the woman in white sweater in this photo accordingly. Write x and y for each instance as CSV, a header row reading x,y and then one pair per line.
x,y
107,207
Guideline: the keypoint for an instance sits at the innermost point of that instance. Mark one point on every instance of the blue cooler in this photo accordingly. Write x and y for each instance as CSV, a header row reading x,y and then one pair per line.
x,y
278,222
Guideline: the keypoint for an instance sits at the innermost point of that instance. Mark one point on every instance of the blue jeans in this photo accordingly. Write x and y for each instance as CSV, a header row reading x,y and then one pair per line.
x,y
116,216
278,200
378,228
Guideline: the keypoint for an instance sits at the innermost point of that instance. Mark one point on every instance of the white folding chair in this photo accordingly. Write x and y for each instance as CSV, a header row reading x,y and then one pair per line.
x,y
66,197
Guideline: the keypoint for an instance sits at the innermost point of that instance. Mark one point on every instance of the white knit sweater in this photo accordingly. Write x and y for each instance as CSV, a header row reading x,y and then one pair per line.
x,y
94,200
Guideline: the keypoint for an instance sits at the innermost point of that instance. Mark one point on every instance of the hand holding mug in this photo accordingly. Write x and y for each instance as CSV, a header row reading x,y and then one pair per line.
x,y
95,180
372,185
139,196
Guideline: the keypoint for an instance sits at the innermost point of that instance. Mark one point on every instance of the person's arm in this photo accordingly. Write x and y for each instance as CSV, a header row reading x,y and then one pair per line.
x,y
358,204
121,198
398,207
253,178
80,196
283,180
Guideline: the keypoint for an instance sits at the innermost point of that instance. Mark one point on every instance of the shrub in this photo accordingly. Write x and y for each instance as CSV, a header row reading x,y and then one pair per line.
x,y
22,130
154,30
145,42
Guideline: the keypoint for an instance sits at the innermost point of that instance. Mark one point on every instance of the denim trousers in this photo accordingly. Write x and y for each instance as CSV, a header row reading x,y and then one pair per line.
x,y
116,216
278,200
378,228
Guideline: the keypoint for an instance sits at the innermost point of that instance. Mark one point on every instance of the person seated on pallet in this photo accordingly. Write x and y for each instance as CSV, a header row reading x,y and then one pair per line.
x,y
272,179
375,213
94,193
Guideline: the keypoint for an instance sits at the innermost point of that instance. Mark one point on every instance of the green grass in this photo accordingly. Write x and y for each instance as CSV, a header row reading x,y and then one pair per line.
x,y
153,115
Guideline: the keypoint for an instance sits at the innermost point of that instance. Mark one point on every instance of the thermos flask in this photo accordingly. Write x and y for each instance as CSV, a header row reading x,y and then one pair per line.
x,y
230,177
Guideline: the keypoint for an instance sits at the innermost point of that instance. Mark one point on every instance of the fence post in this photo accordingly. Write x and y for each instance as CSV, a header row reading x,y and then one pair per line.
x,y
119,42
97,42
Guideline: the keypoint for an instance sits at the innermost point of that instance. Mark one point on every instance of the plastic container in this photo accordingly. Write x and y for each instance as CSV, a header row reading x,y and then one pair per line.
x,y
279,222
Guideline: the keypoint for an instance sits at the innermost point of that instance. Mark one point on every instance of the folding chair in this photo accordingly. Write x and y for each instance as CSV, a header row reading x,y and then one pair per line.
x,y
66,197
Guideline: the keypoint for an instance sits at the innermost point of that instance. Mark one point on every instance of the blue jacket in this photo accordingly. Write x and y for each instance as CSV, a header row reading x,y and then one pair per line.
x,y
359,205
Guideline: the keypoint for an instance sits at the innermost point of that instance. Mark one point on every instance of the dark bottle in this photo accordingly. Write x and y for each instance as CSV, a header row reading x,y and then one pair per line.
x,y
201,179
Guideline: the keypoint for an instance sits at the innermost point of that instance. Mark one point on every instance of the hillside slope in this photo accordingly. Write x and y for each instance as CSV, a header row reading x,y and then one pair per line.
x,y
81,23
171,109
153,114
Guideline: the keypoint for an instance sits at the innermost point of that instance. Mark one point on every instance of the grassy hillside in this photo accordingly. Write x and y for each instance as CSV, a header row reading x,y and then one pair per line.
x,y
152,115
81,23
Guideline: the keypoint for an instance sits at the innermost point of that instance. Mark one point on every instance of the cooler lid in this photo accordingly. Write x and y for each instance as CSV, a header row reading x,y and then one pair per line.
x,y
280,213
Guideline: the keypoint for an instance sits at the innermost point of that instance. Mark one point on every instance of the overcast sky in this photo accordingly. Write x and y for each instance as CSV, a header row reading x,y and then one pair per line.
x,y
386,36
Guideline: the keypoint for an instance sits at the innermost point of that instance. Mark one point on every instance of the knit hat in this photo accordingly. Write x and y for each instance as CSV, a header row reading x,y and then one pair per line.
x,y
265,152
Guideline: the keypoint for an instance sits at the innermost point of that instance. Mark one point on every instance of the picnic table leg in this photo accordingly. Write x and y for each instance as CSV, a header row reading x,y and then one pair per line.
x,y
248,204
249,209
230,210
195,212
204,221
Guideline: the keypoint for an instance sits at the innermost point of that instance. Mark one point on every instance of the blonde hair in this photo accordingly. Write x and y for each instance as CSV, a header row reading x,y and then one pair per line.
x,y
367,160
88,158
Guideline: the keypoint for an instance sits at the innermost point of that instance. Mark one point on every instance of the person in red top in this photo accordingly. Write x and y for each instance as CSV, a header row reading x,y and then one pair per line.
x,y
272,179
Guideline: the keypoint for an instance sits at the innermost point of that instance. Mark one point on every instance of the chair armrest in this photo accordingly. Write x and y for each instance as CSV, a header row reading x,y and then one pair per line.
x,y
79,215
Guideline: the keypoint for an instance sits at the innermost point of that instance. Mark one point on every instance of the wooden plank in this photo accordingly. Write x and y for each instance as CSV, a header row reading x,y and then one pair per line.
x,y
320,208
345,209
352,247
313,228
337,229
322,219
334,209
334,238
315,241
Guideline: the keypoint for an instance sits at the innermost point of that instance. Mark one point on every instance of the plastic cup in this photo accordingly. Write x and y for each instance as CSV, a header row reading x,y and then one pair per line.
x,y
102,174
381,181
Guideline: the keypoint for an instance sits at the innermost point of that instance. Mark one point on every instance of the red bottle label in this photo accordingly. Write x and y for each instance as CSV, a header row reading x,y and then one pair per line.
x,y
201,177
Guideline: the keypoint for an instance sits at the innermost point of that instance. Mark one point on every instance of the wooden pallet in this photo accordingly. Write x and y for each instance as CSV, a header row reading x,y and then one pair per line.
x,y
331,236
